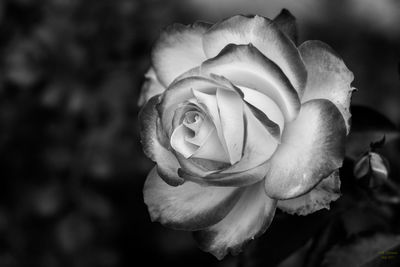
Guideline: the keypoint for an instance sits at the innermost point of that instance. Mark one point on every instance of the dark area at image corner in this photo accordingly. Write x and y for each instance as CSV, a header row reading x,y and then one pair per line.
x,y
71,164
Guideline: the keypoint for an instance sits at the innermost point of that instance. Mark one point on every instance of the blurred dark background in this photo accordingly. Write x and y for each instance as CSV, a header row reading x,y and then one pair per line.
x,y
71,164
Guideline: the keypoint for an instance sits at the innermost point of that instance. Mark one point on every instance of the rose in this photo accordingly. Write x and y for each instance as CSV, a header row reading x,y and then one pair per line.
x,y
240,121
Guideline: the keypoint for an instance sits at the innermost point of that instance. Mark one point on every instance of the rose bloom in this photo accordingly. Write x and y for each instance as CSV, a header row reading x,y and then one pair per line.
x,y
241,121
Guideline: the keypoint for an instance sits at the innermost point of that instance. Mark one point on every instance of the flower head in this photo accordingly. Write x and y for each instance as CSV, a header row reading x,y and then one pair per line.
x,y
240,120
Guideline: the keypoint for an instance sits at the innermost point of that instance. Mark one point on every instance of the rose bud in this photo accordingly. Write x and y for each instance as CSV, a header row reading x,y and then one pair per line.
x,y
373,167
239,121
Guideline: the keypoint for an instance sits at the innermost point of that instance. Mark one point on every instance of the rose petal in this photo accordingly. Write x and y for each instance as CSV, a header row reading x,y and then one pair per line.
x,y
167,163
264,35
180,113
189,206
320,197
265,104
179,143
192,167
286,22
212,149
259,146
202,133
244,178
271,126
245,65
211,104
328,77
150,87
230,107
250,218
312,148
178,49
210,165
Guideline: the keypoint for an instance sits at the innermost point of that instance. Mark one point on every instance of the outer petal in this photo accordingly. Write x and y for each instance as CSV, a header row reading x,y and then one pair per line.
x,y
178,49
320,197
189,206
167,163
264,35
286,22
248,219
312,148
328,77
245,65
150,87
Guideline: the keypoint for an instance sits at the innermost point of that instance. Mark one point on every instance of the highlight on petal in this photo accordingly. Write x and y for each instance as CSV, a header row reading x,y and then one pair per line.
x,y
246,66
150,87
178,49
249,218
209,101
264,104
189,206
263,34
318,198
286,22
328,77
167,164
259,146
312,148
230,107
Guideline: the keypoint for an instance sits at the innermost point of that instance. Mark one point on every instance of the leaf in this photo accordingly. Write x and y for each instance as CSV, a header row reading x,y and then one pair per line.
x,y
376,250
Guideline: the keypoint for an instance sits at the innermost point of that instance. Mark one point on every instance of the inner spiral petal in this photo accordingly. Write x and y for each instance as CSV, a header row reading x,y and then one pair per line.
x,y
195,135
193,120
200,126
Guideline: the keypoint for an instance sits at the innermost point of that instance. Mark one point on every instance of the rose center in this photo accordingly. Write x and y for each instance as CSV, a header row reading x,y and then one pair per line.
x,y
193,120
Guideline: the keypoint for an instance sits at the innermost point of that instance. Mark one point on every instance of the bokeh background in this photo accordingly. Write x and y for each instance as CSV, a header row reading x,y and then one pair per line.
x,y
71,164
